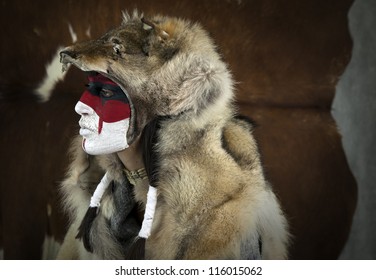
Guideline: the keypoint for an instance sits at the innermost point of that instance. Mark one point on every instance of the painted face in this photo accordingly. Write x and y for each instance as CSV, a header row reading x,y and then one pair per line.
x,y
105,113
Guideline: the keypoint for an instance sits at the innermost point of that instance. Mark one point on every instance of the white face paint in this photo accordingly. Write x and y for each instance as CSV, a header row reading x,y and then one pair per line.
x,y
105,114
112,137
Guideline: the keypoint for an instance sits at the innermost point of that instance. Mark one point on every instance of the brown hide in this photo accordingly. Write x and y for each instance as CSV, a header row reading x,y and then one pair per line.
x,y
286,57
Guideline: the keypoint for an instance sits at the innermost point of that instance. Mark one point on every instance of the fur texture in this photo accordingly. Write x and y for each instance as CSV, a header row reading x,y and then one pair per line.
x,y
213,199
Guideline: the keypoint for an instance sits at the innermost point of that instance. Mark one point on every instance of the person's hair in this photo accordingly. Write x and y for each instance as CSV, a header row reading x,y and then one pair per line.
x,y
149,139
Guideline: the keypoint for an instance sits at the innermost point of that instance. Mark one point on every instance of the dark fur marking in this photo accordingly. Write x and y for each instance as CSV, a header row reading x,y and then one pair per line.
x,y
169,53
250,122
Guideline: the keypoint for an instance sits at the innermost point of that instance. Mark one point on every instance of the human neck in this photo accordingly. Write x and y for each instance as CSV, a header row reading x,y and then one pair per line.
x,y
131,157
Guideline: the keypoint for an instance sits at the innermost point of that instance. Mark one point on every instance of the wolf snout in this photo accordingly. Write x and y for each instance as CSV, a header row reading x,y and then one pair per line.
x,y
67,54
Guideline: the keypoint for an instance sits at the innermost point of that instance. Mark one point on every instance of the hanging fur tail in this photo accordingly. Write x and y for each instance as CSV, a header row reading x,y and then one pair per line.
x,y
91,213
137,249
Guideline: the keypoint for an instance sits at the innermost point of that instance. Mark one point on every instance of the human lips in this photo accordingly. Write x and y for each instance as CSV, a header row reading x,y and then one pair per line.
x,y
84,132
86,126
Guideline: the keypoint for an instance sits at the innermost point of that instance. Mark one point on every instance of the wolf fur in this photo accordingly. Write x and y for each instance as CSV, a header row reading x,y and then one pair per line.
x,y
213,199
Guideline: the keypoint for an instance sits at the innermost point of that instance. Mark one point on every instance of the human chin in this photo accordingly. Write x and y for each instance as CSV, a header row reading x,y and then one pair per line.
x,y
111,139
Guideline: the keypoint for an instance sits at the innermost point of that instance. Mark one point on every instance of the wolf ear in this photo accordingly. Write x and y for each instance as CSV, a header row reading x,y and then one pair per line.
x,y
160,42
149,25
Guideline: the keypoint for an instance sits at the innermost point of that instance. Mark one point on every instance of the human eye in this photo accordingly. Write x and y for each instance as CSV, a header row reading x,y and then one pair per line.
x,y
106,93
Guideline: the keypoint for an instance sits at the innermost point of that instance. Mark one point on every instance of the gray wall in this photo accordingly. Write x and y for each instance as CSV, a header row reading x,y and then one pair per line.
x,y
354,109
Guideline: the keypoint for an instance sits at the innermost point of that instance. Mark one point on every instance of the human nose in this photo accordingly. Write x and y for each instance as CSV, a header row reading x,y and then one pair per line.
x,y
83,109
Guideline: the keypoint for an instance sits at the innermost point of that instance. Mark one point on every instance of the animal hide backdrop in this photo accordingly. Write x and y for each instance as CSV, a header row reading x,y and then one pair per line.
x,y
285,57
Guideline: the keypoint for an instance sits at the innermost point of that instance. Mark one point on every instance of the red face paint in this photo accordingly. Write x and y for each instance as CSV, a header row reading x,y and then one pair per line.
x,y
107,99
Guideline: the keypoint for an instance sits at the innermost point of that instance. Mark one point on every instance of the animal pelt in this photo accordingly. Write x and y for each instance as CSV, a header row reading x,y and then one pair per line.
x,y
213,199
